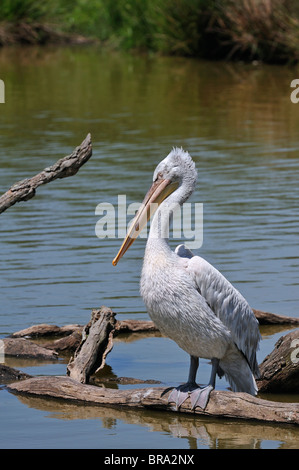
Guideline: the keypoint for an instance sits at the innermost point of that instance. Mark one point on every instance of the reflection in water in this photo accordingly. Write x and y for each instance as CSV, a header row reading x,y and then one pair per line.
x,y
198,432
239,125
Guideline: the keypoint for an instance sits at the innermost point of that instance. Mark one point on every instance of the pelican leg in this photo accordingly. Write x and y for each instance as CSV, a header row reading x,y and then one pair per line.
x,y
182,392
200,397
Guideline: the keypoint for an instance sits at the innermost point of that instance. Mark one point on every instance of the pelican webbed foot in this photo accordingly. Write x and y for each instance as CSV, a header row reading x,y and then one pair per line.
x,y
198,396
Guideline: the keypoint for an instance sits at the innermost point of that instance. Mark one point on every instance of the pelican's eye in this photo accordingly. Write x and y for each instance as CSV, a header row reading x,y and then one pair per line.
x,y
159,176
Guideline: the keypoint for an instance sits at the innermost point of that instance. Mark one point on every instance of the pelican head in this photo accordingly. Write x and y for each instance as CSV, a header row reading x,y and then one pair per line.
x,y
178,167
176,173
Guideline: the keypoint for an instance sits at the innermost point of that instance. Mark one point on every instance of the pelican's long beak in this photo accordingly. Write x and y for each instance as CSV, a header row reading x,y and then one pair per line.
x,y
159,191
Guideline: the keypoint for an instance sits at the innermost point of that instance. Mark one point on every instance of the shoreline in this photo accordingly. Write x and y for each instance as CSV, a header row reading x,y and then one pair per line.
x,y
38,34
26,33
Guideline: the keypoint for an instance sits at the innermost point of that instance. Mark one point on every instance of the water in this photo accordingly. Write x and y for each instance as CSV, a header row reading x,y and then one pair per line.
x,y
241,128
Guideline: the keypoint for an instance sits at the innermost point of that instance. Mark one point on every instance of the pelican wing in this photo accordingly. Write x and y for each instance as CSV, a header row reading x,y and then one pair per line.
x,y
227,303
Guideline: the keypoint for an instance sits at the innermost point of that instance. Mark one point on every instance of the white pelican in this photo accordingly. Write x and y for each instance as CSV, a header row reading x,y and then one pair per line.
x,y
187,298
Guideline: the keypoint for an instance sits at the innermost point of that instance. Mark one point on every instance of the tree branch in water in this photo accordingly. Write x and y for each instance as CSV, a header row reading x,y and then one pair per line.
x,y
67,166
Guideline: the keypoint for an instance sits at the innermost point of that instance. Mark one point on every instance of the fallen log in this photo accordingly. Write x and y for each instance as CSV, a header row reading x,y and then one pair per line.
x,y
97,342
266,318
58,338
67,344
67,166
280,369
121,326
135,326
221,404
22,348
44,329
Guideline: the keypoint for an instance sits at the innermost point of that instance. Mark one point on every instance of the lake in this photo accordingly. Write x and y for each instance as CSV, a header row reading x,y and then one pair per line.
x,y
241,128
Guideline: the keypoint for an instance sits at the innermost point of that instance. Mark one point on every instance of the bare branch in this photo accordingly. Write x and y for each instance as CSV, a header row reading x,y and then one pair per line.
x,y
67,166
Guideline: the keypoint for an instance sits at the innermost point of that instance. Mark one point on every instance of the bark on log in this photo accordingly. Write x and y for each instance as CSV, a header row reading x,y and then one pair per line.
x,y
43,329
60,339
67,344
135,326
221,404
67,166
123,380
97,342
22,348
280,369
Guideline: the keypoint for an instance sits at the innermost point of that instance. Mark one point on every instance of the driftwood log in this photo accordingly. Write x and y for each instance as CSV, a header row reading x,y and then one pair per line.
x,y
221,404
57,338
67,166
43,329
24,349
121,326
266,318
68,338
97,342
66,344
280,369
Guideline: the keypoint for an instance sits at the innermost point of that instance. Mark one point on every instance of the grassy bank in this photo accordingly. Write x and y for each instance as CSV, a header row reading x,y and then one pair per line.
x,y
266,30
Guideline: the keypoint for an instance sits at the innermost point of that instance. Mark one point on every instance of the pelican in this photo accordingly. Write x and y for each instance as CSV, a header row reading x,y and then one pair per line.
x,y
188,299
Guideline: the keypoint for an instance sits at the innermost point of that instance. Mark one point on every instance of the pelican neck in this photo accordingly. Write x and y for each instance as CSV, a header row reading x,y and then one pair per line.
x,y
159,228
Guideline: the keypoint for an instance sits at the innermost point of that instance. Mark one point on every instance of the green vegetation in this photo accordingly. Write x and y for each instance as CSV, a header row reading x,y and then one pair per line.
x,y
265,30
